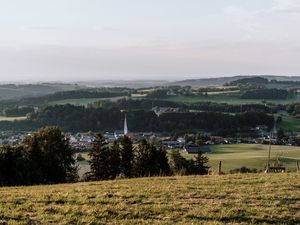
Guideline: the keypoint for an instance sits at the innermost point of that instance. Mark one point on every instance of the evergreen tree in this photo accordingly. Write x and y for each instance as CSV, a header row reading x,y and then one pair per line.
x,y
127,156
163,162
115,160
201,161
142,160
100,160
178,164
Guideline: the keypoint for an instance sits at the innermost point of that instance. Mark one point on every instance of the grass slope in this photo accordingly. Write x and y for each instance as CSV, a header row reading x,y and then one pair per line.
x,y
231,199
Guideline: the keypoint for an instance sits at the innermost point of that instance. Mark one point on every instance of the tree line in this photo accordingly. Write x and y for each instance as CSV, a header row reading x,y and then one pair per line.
x,y
45,157
80,119
148,104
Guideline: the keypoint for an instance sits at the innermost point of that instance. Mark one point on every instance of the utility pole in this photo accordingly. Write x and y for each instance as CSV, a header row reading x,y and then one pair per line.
x,y
269,155
297,165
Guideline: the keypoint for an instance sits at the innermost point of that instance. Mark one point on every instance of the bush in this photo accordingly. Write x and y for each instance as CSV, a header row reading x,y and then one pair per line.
x,y
243,170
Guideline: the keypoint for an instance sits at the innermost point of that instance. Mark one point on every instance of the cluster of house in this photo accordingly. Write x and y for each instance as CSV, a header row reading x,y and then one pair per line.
x,y
161,110
10,138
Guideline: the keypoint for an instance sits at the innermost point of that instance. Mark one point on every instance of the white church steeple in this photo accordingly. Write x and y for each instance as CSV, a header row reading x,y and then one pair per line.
x,y
125,126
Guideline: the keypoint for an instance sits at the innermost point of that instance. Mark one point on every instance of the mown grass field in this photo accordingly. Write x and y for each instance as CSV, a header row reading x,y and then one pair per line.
x,y
4,118
83,101
228,199
289,124
251,156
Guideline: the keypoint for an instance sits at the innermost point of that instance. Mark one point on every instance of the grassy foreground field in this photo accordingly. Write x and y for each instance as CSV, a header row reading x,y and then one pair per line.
x,y
230,199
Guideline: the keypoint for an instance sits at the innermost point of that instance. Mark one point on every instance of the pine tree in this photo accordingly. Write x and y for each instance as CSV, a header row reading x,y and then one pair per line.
x,y
142,160
126,152
201,161
163,162
100,160
115,160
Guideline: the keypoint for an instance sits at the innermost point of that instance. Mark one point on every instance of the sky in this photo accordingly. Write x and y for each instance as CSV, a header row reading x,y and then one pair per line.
x,y
43,40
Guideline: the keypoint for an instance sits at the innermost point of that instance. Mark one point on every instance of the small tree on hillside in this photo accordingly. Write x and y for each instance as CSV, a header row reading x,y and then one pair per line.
x,y
99,160
178,164
150,161
115,160
162,162
201,161
126,153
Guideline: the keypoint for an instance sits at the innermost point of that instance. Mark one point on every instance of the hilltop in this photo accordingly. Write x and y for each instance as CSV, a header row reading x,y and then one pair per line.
x,y
242,199
219,81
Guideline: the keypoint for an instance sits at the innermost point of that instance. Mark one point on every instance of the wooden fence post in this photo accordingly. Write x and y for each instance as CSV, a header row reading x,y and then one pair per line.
x,y
297,165
220,168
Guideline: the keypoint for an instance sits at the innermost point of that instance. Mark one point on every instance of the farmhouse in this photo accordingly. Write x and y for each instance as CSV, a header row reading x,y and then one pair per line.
x,y
196,149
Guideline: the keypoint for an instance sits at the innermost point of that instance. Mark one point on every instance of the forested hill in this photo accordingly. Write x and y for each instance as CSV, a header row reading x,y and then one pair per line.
x,y
15,91
63,95
76,118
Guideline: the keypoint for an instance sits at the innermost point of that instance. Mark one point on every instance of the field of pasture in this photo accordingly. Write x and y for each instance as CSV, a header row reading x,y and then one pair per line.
x,y
251,155
228,199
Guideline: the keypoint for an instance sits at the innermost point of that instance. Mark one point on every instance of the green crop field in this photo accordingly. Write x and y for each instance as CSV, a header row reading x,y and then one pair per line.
x,y
289,123
83,101
251,156
228,199
228,98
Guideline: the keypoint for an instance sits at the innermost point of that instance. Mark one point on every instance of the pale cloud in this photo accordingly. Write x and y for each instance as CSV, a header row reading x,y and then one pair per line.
x,y
286,6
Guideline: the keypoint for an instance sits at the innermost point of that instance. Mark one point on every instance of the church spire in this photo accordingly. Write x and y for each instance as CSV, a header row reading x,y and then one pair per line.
x,y
125,126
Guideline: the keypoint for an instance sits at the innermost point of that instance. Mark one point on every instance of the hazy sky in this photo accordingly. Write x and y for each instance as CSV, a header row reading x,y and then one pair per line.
x,y
142,39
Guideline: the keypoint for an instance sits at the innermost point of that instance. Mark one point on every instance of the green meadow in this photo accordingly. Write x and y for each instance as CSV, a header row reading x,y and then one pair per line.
x,y
83,101
251,156
229,99
289,123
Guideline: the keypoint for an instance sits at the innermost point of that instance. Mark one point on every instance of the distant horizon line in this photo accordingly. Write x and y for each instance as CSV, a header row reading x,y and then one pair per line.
x,y
37,81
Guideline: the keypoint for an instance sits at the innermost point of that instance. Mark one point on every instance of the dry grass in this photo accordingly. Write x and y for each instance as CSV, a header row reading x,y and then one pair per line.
x,y
230,199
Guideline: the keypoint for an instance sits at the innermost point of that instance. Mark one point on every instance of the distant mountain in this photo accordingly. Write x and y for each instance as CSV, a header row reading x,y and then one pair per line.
x,y
125,83
13,91
205,82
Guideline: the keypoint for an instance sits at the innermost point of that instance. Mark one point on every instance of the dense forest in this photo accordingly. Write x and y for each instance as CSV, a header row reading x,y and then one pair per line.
x,y
148,104
77,118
